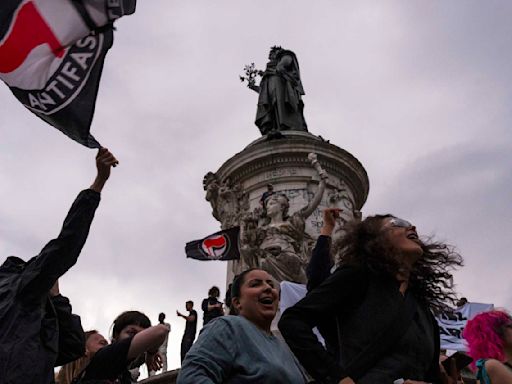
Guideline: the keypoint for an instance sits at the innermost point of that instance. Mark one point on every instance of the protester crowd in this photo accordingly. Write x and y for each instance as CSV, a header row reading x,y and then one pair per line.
x,y
372,294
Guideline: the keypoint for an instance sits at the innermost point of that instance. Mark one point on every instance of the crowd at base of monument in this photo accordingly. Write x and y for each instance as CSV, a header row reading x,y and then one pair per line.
x,y
374,309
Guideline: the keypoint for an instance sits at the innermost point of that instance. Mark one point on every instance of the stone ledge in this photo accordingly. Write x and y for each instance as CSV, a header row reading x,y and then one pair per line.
x,y
291,151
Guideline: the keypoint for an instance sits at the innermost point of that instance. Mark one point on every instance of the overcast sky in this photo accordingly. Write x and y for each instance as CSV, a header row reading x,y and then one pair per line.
x,y
419,91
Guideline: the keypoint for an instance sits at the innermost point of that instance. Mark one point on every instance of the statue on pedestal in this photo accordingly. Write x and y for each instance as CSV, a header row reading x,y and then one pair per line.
x,y
280,244
280,105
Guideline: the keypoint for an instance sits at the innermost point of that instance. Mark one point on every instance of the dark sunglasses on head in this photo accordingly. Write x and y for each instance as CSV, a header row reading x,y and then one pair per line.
x,y
400,223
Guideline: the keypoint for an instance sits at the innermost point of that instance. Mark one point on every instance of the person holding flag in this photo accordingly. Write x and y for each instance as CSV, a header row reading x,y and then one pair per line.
x,y
37,328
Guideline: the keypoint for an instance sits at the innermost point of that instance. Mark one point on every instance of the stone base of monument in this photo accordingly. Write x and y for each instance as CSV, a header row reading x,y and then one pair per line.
x,y
237,187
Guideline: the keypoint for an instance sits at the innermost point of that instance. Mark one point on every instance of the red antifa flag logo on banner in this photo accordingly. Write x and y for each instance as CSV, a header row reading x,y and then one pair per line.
x,y
52,54
221,245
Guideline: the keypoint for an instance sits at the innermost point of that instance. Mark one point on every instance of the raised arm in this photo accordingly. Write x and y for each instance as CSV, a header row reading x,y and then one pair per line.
x,y
147,340
254,87
187,318
61,253
309,209
105,160
321,262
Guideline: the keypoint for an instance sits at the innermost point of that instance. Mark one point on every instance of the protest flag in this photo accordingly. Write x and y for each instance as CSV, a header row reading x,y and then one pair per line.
x,y
222,245
52,54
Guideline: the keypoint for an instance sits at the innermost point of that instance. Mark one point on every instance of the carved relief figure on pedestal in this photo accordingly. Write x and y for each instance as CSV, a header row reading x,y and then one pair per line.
x,y
250,237
227,200
211,186
280,245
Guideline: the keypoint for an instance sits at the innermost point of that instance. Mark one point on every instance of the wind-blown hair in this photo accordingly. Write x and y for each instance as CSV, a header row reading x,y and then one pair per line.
x,y
365,244
484,334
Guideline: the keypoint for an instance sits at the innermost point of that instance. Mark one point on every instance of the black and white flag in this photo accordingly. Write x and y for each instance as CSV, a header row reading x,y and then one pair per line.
x,y
222,245
51,57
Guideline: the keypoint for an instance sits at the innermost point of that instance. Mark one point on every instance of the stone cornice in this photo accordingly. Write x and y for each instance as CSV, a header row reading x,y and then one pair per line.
x,y
291,151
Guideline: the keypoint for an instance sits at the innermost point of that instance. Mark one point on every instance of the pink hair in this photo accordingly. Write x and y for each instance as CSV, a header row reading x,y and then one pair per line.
x,y
484,335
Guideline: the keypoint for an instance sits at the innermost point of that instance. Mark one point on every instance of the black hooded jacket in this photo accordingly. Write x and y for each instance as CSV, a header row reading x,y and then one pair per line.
x,y
38,332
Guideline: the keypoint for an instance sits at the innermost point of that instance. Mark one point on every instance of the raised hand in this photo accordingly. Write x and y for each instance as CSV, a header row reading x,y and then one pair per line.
x,y
330,216
105,160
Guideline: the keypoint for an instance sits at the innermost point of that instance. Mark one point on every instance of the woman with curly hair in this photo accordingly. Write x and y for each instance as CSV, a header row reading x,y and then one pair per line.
x,y
489,337
380,299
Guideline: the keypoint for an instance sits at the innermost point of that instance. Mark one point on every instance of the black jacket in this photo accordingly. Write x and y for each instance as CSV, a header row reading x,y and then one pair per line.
x,y
317,270
365,308
209,315
320,264
38,332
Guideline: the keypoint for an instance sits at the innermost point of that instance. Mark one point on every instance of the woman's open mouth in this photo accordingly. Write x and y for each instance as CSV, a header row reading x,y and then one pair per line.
x,y
266,300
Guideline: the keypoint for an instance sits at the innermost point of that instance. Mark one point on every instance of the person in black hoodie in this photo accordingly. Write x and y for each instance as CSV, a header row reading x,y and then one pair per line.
x,y
381,299
37,329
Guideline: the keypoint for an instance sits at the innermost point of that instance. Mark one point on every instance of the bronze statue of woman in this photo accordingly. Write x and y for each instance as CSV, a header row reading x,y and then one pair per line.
x,y
280,106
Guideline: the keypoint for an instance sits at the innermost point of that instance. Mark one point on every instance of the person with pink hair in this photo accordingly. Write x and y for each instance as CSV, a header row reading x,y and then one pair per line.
x,y
489,337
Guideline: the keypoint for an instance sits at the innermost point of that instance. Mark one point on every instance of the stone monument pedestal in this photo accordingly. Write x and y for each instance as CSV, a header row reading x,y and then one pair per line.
x,y
239,184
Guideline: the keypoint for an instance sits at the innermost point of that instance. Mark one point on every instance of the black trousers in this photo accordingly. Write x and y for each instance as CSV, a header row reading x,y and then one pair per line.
x,y
186,343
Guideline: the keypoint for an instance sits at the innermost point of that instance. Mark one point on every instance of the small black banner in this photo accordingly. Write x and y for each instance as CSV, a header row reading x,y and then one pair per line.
x,y
222,245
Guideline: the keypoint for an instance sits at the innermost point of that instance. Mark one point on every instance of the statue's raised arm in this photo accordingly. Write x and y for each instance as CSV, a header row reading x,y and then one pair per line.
x,y
313,204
